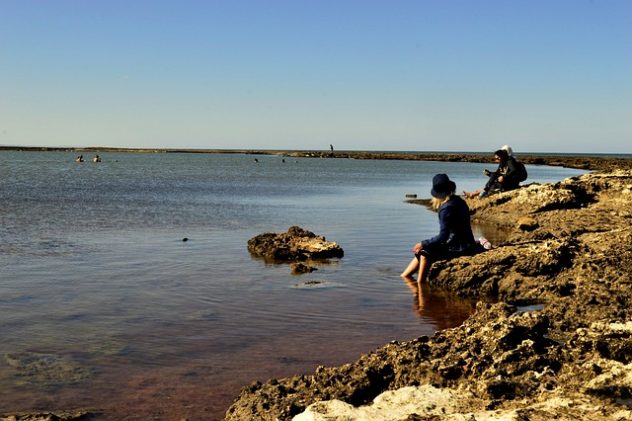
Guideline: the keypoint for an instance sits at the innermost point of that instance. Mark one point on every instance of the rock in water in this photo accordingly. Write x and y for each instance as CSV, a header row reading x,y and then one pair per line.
x,y
300,268
294,245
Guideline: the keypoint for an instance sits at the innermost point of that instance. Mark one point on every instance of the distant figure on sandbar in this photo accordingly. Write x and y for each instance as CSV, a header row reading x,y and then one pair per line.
x,y
508,175
332,149
79,159
96,158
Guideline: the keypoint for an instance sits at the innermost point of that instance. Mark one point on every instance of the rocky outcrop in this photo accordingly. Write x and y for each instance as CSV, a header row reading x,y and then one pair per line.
x,y
297,244
499,360
568,248
511,358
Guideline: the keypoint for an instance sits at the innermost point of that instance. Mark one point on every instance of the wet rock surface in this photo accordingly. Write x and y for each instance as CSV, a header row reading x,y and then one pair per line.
x,y
48,416
300,268
568,247
46,369
297,244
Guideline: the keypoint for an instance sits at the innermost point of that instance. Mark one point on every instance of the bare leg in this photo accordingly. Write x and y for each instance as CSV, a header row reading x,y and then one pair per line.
x,y
411,268
420,301
472,194
424,265
411,283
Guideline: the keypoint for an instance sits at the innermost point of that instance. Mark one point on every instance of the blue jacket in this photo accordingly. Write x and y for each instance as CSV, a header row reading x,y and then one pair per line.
x,y
455,231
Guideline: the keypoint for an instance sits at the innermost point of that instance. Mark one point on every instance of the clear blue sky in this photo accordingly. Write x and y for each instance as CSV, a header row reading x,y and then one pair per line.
x,y
543,76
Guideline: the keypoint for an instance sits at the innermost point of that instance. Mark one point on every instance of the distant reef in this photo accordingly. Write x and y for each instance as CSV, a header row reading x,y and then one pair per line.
x,y
581,161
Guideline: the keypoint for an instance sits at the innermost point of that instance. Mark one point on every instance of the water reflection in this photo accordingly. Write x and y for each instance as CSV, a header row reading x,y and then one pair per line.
x,y
442,308
495,234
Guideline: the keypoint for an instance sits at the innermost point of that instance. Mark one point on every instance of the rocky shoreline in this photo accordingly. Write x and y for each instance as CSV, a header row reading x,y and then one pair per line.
x,y
556,345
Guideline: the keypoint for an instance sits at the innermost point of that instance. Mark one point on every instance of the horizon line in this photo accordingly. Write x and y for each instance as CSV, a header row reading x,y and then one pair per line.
x,y
277,151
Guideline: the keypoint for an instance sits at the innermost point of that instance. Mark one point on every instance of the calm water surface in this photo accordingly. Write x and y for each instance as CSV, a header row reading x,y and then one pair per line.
x,y
103,306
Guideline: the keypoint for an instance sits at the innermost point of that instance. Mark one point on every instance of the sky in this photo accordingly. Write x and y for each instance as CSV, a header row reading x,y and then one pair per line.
x,y
391,75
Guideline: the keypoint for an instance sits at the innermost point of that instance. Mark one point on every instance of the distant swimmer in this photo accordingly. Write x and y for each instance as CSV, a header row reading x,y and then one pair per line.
x,y
96,158
256,160
79,159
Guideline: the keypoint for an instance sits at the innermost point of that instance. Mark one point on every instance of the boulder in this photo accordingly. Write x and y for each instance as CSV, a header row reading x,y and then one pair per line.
x,y
297,244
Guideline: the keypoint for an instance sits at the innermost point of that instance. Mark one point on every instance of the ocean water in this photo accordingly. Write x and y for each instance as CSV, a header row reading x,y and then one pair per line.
x,y
104,306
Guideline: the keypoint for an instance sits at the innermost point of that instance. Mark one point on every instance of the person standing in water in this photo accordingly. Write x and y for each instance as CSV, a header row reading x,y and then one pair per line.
x,y
455,236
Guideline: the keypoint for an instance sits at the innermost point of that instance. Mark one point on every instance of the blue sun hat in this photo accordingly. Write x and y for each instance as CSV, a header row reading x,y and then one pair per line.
x,y
442,186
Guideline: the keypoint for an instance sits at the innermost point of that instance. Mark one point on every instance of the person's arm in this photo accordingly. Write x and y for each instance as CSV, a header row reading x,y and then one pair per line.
x,y
511,174
444,232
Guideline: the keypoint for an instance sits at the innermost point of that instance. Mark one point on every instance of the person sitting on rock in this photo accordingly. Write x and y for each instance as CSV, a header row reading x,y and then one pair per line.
x,y
455,236
505,178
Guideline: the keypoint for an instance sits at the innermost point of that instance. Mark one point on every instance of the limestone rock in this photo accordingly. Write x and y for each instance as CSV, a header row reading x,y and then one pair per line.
x,y
296,244
437,404
527,223
423,400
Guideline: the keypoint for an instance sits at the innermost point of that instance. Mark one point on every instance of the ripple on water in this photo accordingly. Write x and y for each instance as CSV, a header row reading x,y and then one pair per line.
x,y
317,284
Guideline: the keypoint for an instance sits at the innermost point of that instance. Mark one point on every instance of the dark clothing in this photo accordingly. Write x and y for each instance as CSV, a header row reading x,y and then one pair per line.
x,y
455,236
508,170
442,253
511,175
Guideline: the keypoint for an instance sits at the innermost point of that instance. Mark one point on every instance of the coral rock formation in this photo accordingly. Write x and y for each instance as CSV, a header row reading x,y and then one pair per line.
x,y
294,245
568,358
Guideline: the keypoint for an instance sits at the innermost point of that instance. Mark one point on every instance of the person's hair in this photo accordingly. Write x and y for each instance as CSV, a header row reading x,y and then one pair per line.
x,y
436,203
502,154
508,149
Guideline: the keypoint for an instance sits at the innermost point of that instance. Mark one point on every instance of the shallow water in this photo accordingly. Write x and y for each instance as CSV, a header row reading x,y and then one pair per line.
x,y
102,305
